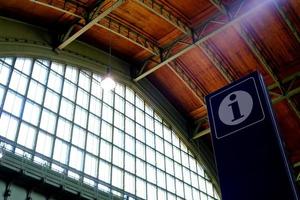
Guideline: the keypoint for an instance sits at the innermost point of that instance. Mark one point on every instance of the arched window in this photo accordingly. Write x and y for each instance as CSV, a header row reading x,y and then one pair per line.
x,y
57,115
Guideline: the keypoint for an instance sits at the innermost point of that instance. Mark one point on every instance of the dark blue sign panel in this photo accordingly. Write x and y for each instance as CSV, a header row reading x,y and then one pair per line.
x,y
249,152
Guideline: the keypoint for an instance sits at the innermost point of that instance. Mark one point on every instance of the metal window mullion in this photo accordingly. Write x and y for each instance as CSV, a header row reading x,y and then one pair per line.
x,y
164,154
42,105
23,107
7,85
86,125
58,109
124,119
145,144
73,117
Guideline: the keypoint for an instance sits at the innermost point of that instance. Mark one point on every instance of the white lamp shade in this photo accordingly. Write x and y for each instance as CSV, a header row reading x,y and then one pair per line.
x,y
108,83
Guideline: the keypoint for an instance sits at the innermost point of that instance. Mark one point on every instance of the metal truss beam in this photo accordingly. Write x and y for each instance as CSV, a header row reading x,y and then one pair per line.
x,y
287,21
187,82
90,24
217,62
281,97
199,38
128,34
160,11
114,27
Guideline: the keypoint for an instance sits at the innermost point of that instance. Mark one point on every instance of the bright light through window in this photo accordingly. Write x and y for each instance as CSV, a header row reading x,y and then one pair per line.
x,y
112,140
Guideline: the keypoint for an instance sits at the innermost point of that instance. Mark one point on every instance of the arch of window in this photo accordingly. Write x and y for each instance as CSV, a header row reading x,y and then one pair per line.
x,y
58,115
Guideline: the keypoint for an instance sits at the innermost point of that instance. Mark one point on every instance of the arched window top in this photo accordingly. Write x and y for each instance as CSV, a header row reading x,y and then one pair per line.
x,y
58,115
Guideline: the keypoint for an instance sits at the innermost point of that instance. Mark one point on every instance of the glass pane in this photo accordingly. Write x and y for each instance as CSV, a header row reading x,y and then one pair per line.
x,y
169,166
94,124
188,191
129,126
18,82
107,113
176,153
105,150
71,74
186,175
130,163
119,104
141,188
140,133
170,183
30,108
150,155
55,82
140,116
140,168
69,90
84,80
158,128
80,117
59,68
2,90
39,73
13,103
129,110
120,90
185,159
168,149
90,165
106,131
66,109
129,144
92,144
194,178
78,137
178,171
4,73
151,174
108,97
129,183
24,65
161,194
129,95
118,138
119,120
36,92
64,129
160,161
51,101
161,181
179,188
27,135
167,134
104,171
140,150
151,192
117,177
44,144
76,158
48,121
150,139
139,103
8,126
95,106
82,98
96,88
61,151
149,123
159,144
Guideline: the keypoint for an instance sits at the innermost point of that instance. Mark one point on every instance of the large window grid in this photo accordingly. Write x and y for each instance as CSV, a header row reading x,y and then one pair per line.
x,y
61,118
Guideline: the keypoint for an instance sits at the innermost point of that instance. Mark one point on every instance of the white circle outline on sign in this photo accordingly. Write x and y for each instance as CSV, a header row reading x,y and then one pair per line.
x,y
239,103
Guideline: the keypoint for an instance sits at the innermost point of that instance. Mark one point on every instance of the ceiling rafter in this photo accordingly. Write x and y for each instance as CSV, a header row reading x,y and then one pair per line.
x,y
176,69
216,62
91,23
252,44
286,19
292,91
114,27
199,36
160,11
123,31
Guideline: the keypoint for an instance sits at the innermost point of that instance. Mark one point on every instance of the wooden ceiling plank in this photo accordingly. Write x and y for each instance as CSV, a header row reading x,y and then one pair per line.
x,y
90,24
216,62
159,10
287,21
200,40
55,8
131,36
187,82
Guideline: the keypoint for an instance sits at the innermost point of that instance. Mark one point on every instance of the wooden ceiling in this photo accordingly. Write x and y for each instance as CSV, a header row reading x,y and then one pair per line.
x,y
188,49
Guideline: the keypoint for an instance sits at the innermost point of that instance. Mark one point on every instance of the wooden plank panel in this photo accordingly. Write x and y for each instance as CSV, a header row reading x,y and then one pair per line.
x,y
121,47
173,88
238,56
203,70
134,15
290,127
279,43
